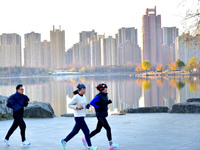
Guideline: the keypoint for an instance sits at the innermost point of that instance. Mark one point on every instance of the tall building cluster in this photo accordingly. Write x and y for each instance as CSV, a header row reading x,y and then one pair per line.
x,y
164,45
97,50
160,45
37,53
45,53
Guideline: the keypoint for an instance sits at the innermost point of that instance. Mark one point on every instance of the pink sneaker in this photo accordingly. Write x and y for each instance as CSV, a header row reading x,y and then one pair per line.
x,y
113,146
84,142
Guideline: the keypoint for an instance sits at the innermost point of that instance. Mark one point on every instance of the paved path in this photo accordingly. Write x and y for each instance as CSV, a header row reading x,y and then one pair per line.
x,y
132,131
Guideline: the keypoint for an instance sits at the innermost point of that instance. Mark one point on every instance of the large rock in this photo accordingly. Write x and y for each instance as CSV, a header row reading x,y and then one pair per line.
x,y
39,110
191,106
159,109
5,112
193,100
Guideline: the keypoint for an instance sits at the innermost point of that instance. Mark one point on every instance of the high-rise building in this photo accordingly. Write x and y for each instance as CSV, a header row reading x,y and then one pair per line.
x,y
152,37
127,34
69,57
128,50
32,52
186,47
169,35
111,51
75,54
10,50
95,51
130,53
57,39
84,46
45,47
172,53
102,43
167,57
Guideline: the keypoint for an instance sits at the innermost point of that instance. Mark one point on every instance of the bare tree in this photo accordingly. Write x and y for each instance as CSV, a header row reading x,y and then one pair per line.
x,y
191,20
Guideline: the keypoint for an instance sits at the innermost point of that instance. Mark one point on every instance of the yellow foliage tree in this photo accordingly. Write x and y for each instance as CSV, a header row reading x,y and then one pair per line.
x,y
146,65
82,69
172,67
139,68
72,70
160,68
193,62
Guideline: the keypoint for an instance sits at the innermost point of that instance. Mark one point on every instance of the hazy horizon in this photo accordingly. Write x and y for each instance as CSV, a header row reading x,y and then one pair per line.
x,y
103,16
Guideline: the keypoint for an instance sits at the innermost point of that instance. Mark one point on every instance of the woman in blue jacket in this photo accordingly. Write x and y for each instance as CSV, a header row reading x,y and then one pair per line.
x,y
100,103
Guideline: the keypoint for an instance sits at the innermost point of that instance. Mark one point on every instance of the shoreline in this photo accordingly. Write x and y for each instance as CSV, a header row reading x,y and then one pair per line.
x,y
75,75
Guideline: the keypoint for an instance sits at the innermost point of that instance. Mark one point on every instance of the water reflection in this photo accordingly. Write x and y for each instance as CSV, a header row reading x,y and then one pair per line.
x,y
123,90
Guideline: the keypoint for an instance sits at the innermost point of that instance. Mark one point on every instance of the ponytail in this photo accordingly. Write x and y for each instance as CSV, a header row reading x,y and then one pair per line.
x,y
75,92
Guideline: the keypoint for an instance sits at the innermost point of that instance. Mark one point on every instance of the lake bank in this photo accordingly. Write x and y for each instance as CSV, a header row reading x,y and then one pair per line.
x,y
166,74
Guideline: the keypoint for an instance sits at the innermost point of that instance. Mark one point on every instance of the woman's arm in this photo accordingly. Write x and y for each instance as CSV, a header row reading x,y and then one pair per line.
x,y
93,102
73,103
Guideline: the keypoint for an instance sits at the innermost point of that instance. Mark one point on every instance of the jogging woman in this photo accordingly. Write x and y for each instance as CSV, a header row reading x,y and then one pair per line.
x,y
100,103
78,103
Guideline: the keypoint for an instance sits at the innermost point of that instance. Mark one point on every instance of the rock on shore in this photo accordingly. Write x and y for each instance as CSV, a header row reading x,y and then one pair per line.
x,y
37,109
191,106
5,112
159,109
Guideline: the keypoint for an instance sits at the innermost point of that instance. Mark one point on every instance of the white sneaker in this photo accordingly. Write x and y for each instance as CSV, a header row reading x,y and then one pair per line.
x,y
6,142
25,143
92,148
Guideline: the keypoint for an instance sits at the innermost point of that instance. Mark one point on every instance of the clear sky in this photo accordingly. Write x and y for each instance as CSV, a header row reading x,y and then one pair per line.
x,y
74,16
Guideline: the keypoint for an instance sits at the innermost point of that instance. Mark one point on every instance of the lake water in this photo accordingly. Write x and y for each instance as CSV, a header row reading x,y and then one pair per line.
x,y
124,91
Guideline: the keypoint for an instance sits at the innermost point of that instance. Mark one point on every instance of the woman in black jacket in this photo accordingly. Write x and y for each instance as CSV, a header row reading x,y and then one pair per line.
x,y
100,103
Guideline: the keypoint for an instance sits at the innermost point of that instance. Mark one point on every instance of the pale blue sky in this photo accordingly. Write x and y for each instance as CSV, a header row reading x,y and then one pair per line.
x,y
23,16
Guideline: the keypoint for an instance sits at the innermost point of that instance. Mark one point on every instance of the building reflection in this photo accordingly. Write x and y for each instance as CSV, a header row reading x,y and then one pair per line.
x,y
125,92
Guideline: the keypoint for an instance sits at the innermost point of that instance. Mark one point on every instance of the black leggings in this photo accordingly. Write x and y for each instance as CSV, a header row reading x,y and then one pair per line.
x,y
18,121
102,122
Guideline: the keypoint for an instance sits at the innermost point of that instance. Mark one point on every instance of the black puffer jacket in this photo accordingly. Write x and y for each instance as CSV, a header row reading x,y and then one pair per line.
x,y
102,110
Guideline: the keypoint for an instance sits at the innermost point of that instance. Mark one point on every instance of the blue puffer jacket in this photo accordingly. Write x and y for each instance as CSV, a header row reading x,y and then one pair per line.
x,y
18,101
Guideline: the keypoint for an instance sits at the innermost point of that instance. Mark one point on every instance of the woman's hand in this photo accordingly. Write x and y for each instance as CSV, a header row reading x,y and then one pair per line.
x,y
109,101
87,106
79,107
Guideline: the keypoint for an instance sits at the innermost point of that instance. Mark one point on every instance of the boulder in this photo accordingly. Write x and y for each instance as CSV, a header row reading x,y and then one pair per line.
x,y
193,100
186,107
72,115
5,112
159,109
37,109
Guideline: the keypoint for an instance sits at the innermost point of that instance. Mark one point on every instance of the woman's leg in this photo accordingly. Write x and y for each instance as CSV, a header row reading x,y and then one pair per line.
x,y
97,130
85,130
105,124
75,130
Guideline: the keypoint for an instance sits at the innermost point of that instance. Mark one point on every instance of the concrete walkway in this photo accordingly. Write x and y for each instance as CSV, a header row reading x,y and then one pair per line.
x,y
132,132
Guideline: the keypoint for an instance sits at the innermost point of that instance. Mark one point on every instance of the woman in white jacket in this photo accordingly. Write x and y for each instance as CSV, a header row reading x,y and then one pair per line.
x,y
79,103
